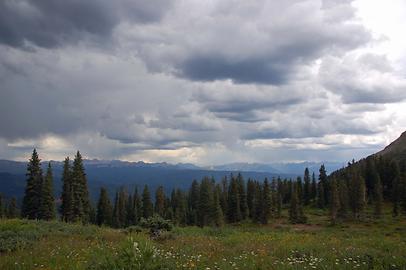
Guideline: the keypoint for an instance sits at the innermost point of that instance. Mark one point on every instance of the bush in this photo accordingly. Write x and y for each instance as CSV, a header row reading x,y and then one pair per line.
x,y
133,229
156,225
133,255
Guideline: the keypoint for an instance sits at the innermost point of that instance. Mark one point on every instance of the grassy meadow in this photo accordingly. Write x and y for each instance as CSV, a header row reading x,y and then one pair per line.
x,y
278,245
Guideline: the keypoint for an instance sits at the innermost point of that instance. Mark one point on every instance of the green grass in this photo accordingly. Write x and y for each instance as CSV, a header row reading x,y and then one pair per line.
x,y
279,245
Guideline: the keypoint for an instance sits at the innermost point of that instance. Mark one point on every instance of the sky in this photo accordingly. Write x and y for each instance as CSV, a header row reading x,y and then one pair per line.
x,y
203,82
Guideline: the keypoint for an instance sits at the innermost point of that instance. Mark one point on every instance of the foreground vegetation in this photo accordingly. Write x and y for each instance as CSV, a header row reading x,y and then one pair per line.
x,y
368,244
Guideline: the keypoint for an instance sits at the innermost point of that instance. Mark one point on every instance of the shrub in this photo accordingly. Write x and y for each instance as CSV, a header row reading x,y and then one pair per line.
x,y
132,255
156,225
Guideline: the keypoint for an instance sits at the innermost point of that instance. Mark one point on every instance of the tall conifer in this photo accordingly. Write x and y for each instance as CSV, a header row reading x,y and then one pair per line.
x,y
147,207
31,200
47,200
104,209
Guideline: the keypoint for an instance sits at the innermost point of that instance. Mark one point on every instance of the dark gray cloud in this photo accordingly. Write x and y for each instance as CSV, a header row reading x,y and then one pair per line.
x,y
261,46
52,23
368,78
193,81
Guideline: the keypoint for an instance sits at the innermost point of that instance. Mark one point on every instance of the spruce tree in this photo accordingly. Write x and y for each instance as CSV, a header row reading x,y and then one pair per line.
x,y
278,204
335,201
180,212
320,195
218,218
80,193
116,212
104,209
296,214
234,209
147,207
358,195
31,200
307,191
92,214
67,196
324,183
130,218
137,206
377,195
266,202
224,195
258,203
194,194
299,186
160,201
343,198
396,188
2,212
294,207
243,196
251,197
122,207
47,200
12,211
206,203
313,188
402,193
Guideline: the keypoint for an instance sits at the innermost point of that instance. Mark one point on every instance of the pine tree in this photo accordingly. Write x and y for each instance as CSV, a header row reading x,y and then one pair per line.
x,y
313,189
180,208
160,201
307,191
344,199
324,183
250,197
67,196
224,195
12,211
402,193
194,194
278,204
266,202
47,200
294,207
335,201
31,200
130,218
137,206
2,212
243,196
377,195
147,207
116,212
80,193
92,214
396,188
122,207
218,218
258,203
206,203
296,214
299,186
234,210
104,209
358,195
320,195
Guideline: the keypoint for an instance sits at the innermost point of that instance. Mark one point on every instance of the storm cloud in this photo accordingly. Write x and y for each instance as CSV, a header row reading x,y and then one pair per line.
x,y
191,81
53,23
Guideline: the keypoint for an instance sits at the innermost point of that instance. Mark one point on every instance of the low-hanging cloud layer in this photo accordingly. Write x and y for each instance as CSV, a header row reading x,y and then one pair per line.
x,y
206,82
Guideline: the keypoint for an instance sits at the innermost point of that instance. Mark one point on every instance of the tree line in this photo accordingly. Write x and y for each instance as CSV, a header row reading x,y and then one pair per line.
x,y
346,194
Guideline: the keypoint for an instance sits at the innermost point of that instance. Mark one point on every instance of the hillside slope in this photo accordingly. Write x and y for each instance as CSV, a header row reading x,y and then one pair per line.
x,y
395,150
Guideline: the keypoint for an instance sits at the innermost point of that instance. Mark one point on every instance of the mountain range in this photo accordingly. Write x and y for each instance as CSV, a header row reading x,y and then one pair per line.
x,y
115,173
